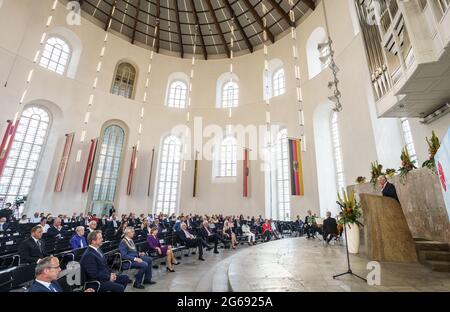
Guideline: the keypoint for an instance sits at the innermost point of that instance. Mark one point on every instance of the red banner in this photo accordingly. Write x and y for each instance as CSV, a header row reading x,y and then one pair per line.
x,y
64,161
7,141
246,174
132,168
89,166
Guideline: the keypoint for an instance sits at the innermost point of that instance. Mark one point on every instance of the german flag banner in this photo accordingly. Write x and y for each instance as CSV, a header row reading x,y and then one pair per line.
x,y
133,166
295,167
64,162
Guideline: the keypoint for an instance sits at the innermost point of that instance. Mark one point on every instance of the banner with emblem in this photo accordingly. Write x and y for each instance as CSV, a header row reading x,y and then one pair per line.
x,y
295,167
442,160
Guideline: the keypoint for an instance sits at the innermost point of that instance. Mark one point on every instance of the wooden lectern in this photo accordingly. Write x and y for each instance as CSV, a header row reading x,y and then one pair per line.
x,y
386,234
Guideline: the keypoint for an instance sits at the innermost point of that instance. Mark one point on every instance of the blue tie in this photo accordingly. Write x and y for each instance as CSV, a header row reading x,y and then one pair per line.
x,y
52,288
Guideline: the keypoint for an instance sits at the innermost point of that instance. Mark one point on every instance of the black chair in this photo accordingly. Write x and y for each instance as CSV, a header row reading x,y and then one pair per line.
x,y
23,275
6,279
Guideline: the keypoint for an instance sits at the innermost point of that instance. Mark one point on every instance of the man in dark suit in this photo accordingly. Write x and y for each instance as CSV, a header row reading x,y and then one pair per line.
x,y
113,225
94,265
56,230
388,189
138,260
209,236
329,228
32,249
47,271
190,240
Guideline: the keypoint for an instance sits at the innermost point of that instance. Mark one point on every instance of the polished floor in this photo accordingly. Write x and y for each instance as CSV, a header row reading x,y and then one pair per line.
x,y
291,264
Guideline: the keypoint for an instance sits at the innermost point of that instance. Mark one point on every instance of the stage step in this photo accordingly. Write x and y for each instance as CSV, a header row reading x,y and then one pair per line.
x,y
439,266
435,255
432,245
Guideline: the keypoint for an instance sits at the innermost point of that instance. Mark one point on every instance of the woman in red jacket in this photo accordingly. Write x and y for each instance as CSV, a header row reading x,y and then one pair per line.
x,y
266,230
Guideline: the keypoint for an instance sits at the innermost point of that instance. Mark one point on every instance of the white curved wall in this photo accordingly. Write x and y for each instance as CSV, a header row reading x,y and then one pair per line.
x,y
70,96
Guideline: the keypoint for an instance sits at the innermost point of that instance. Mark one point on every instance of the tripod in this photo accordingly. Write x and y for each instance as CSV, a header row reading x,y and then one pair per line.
x,y
349,270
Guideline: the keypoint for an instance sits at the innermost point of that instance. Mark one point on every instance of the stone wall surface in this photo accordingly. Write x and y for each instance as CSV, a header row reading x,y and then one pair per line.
x,y
422,203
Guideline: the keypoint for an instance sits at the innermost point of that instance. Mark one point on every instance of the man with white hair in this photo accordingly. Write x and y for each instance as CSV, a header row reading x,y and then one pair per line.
x,y
91,227
139,260
56,230
208,235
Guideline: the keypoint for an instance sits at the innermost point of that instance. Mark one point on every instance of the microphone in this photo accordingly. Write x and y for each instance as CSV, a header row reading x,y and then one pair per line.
x,y
337,202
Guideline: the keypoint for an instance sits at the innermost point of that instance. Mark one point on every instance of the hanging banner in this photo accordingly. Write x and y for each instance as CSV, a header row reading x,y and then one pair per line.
x,y
133,165
151,171
442,160
7,141
246,174
194,192
64,161
89,166
295,167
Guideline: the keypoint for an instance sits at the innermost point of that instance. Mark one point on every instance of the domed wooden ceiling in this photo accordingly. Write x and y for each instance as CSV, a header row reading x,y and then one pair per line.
x,y
178,20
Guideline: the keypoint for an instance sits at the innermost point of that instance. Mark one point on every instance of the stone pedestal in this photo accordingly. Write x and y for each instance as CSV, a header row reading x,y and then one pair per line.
x,y
386,233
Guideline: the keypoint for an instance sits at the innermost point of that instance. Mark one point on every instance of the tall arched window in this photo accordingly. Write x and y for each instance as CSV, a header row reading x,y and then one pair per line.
x,y
279,83
407,137
177,94
108,167
169,176
315,66
124,80
227,158
56,55
337,152
283,200
25,154
230,94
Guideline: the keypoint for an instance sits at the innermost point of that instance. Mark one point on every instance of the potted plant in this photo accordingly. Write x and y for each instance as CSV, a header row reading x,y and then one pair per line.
x,y
350,215
407,164
390,172
361,180
376,171
433,146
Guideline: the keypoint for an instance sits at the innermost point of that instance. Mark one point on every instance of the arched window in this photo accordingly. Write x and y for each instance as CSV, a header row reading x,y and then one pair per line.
x,y
283,201
230,94
408,139
124,80
279,83
228,158
169,176
177,94
315,66
25,154
56,55
337,152
108,167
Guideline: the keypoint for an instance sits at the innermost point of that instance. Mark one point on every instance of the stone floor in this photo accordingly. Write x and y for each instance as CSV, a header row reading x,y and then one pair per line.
x,y
292,264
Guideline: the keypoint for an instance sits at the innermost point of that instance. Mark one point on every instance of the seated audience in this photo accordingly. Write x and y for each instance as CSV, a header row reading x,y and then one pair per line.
x,y
190,240
24,219
56,230
91,228
165,251
47,271
32,249
78,240
228,232
120,232
267,230
36,218
3,225
247,233
209,236
329,228
95,266
310,225
44,224
138,260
